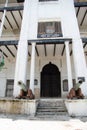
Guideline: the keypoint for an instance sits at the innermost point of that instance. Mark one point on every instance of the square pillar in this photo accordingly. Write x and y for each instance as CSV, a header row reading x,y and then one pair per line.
x,y
32,68
22,53
69,72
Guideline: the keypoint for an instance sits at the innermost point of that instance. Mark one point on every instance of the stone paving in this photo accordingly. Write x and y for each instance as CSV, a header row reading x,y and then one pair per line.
x,y
25,122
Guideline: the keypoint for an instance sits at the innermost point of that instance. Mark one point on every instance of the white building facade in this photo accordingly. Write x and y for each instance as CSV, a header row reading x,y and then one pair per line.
x,y
50,53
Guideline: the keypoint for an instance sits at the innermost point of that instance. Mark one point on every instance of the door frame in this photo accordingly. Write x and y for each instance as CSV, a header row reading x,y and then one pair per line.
x,y
43,73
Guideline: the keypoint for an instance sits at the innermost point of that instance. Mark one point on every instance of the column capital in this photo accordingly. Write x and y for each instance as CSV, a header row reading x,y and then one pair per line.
x,y
66,43
33,43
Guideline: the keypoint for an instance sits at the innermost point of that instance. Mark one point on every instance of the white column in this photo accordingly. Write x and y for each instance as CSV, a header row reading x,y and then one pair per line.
x,y
28,31
79,58
32,69
3,19
22,53
21,66
70,84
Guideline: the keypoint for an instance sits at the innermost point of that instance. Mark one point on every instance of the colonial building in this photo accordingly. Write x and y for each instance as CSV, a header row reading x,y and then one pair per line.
x,y
44,46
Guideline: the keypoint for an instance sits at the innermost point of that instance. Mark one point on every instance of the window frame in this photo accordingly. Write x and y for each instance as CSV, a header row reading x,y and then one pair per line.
x,y
42,28
47,0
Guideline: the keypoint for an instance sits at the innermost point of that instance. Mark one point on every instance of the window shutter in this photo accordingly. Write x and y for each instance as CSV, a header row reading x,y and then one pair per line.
x,y
59,27
41,28
56,27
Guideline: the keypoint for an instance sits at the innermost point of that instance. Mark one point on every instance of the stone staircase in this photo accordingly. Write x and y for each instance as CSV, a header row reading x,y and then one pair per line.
x,y
51,108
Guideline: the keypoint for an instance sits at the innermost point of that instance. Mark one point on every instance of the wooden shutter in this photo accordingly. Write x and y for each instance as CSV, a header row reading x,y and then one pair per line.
x,y
41,28
58,27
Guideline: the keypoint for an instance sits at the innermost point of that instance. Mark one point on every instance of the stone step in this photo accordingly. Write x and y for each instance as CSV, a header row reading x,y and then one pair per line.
x,y
51,107
50,113
51,102
42,104
51,110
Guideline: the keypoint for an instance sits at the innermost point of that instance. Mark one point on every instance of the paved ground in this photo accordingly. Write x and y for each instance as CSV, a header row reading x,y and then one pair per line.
x,y
23,122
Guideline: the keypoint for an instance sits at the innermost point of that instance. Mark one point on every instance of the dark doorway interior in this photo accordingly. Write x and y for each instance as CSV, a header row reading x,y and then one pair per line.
x,y
50,81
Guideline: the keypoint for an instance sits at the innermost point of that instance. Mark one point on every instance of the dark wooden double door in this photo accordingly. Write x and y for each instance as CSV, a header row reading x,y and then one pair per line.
x,y
50,81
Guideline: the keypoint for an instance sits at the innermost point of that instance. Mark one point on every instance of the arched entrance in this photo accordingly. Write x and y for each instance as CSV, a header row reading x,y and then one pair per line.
x,y
50,81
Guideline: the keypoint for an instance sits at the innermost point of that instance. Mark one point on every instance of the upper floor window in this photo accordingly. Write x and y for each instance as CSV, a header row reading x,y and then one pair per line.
x,y
20,1
47,0
49,29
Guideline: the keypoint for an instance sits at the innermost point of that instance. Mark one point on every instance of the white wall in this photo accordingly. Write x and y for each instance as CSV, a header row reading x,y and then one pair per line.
x,y
2,82
6,73
9,71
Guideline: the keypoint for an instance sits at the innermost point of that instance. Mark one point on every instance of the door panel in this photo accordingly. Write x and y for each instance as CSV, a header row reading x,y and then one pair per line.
x,y
50,83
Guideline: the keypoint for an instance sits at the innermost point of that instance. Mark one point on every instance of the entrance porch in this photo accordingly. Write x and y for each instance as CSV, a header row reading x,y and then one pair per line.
x,y
43,48
44,108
